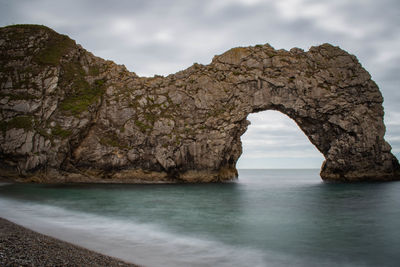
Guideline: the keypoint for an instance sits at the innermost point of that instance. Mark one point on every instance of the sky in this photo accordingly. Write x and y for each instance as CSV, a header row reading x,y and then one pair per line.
x,y
162,37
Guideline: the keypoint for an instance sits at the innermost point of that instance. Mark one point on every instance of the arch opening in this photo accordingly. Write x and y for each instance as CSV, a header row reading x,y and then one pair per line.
x,y
274,141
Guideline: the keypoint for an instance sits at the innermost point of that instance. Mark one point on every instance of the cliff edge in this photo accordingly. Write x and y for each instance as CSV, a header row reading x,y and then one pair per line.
x,y
68,116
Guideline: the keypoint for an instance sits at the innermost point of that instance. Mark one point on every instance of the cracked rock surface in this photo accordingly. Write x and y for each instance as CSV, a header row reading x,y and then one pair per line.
x,y
68,116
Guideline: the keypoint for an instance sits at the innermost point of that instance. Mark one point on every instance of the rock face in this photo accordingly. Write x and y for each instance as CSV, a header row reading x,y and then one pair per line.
x,y
67,115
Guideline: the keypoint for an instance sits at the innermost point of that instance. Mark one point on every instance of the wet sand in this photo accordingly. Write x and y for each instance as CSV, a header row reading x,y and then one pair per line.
x,y
23,247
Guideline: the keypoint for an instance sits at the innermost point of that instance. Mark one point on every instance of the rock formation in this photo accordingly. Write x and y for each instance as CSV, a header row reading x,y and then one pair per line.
x,y
67,115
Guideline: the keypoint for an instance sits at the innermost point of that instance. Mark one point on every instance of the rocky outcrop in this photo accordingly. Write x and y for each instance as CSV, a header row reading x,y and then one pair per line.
x,y
67,115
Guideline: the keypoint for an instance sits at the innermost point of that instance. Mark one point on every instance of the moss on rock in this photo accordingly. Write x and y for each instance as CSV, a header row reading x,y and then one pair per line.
x,y
21,122
60,132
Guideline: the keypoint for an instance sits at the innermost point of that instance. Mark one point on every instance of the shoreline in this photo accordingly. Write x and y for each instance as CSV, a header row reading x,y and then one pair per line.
x,y
20,246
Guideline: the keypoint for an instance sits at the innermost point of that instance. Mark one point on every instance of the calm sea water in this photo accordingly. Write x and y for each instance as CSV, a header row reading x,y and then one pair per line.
x,y
266,218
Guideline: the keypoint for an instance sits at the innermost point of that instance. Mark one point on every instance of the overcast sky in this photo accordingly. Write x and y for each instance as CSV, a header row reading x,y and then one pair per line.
x,y
162,37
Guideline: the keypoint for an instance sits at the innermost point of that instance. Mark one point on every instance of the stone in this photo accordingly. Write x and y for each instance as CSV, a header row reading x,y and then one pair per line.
x,y
91,120
50,84
15,138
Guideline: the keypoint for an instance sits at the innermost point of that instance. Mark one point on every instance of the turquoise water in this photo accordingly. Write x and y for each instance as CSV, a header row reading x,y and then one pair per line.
x,y
266,218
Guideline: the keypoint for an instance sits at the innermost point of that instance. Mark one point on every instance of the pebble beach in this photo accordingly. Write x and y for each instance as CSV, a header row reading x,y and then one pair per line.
x,y
23,247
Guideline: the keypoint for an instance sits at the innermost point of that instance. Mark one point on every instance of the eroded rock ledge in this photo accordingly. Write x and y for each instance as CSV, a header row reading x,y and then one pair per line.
x,y
67,115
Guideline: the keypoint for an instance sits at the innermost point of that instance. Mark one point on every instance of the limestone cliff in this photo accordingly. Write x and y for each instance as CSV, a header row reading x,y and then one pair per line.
x,y
67,115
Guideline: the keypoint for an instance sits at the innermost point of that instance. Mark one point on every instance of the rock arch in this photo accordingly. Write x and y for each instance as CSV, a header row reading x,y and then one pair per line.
x,y
331,98
87,119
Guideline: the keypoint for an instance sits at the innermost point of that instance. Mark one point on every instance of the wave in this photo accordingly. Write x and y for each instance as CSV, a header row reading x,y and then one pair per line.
x,y
143,244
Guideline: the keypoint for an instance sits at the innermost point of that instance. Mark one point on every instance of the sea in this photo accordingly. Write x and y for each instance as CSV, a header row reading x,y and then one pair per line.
x,y
265,218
